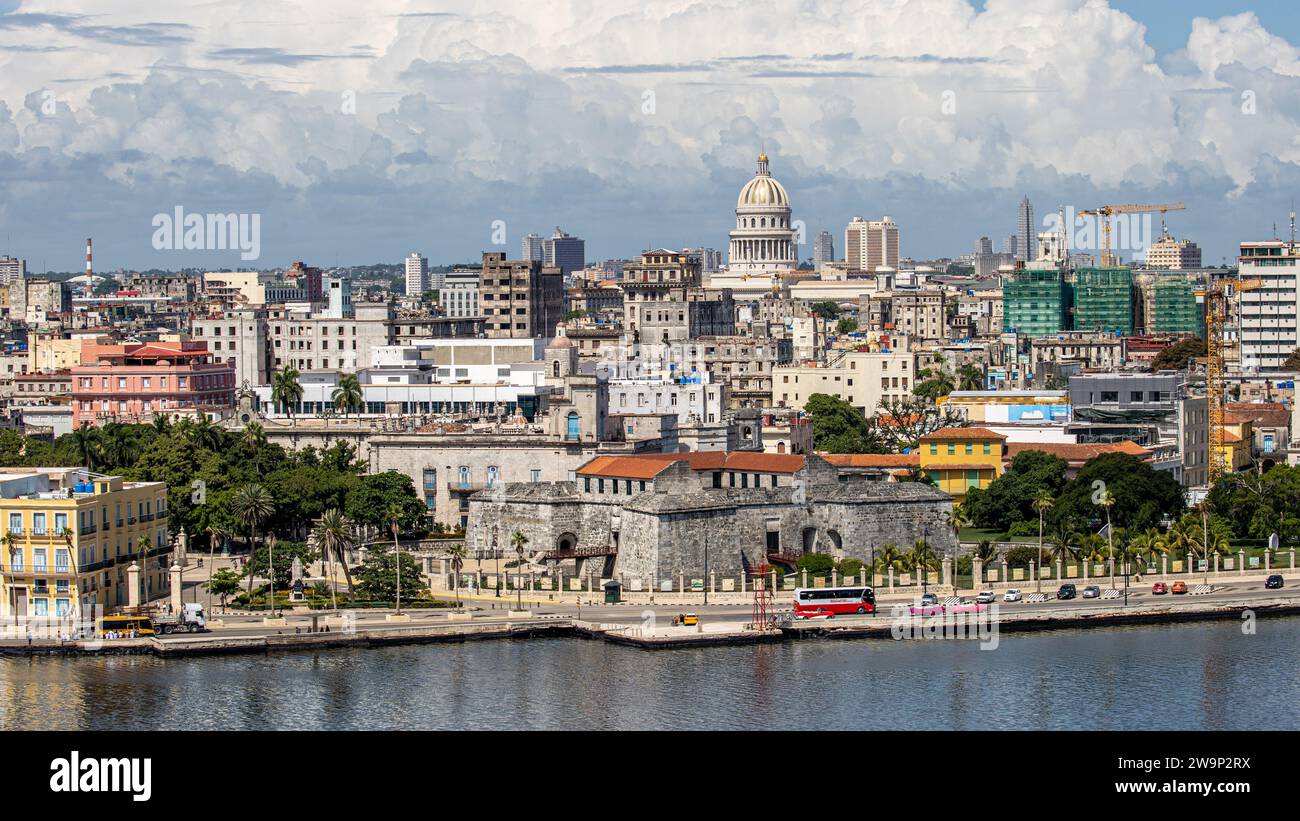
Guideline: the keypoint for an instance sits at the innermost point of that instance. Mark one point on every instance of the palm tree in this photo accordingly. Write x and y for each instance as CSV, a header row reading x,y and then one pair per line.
x,y
970,378
286,391
334,535
1042,503
347,396
162,423
1147,545
518,541
1065,546
889,556
252,505
118,445
204,434
458,553
86,441
254,438
1107,502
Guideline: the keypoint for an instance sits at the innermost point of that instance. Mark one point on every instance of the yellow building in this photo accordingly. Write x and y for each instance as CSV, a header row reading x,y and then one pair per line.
x,y
958,459
1238,435
49,352
69,538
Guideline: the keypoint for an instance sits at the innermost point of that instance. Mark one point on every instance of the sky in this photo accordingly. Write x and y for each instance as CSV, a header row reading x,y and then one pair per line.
x,y
356,137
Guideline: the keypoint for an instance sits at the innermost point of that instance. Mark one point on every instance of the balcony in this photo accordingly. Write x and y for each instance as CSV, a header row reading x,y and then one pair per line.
x,y
32,570
86,530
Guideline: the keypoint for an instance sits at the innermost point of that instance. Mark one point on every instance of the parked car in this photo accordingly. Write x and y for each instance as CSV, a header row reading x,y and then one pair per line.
x,y
986,597
928,599
1092,591
1159,588
1273,582
1012,595
1178,588
1067,591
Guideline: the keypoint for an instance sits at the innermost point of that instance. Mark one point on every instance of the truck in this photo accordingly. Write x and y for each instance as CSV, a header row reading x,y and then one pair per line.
x,y
189,620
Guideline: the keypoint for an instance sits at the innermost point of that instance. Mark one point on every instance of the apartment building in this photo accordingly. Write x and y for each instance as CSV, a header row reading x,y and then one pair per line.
x,y
864,379
520,298
1268,313
71,538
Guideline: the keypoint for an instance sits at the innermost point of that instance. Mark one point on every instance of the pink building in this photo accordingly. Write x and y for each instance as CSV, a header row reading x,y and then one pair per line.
x,y
131,383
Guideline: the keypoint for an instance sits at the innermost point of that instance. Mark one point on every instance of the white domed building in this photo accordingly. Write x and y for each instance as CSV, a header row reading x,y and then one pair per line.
x,y
763,242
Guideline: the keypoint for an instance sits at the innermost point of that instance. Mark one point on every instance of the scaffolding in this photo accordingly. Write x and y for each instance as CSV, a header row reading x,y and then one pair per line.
x,y
1103,300
1034,302
1174,309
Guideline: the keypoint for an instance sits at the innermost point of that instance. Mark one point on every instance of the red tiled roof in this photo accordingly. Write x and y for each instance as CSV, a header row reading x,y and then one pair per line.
x,y
650,465
962,434
1076,453
873,460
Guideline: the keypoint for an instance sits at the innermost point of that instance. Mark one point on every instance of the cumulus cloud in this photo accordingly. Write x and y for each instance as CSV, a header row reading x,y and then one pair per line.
x,y
361,133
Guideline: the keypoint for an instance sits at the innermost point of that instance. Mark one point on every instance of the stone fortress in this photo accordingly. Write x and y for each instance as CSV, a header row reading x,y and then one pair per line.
x,y
657,516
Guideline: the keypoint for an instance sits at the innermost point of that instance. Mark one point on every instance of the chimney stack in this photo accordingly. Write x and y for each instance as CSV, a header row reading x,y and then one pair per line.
x,y
87,258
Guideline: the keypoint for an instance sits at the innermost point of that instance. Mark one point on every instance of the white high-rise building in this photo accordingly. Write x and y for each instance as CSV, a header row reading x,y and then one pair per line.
x,y
12,269
533,247
871,244
1026,232
823,250
1268,313
1176,255
983,245
417,274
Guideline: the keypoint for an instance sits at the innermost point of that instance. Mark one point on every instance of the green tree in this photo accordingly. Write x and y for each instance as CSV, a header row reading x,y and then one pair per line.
x,y
838,427
283,554
373,496
377,575
846,326
1176,356
817,564
1143,495
1292,362
347,397
1010,498
334,536
252,505
825,309
970,378
223,583
457,553
286,390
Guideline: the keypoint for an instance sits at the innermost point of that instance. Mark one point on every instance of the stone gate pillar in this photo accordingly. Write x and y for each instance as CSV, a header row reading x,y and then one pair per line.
x,y
133,585
177,586
977,572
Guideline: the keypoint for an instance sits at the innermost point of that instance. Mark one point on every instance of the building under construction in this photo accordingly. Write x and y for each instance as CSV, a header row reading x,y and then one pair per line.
x,y
1167,304
1034,302
1103,300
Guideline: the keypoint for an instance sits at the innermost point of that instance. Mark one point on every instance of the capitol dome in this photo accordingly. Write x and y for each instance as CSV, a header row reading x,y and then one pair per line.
x,y
765,240
763,189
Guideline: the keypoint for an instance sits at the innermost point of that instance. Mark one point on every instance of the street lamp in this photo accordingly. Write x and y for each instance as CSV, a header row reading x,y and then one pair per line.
x,y
706,571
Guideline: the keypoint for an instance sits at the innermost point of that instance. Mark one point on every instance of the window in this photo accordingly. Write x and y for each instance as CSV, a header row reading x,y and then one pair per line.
x,y
38,524
60,522
16,523
970,448
492,473
952,448
463,476
934,449
430,479
535,475
41,606
38,560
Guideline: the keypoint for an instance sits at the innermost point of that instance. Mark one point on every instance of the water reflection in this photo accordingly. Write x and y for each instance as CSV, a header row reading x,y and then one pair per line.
x,y
1206,676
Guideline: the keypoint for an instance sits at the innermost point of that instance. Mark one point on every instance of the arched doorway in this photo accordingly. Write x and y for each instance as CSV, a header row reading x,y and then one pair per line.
x,y
835,543
566,542
809,540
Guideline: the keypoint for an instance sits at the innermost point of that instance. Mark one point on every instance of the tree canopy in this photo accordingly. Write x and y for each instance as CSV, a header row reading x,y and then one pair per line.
x,y
1177,355
838,427
1010,498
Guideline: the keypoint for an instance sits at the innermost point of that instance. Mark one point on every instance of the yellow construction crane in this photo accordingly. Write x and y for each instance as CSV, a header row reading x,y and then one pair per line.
x,y
1104,213
1216,318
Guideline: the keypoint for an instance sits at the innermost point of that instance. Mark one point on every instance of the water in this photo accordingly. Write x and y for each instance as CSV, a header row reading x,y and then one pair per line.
x,y
1202,676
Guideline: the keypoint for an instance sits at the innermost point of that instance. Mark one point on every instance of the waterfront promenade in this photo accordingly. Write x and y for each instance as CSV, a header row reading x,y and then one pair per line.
x,y
650,626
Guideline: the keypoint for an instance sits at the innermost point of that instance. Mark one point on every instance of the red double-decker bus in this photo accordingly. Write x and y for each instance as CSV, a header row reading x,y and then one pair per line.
x,y
833,601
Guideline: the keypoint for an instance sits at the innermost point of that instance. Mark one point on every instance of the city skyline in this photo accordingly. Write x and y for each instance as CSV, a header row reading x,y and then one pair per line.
x,y
436,130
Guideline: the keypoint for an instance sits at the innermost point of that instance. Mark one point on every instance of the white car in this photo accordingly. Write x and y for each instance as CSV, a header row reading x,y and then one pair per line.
x,y
1012,595
985,597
